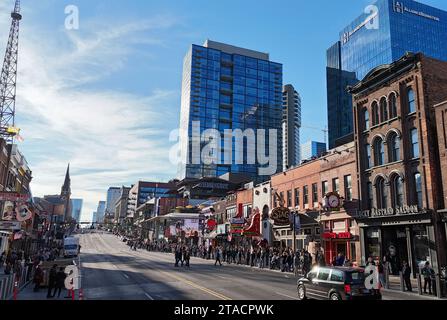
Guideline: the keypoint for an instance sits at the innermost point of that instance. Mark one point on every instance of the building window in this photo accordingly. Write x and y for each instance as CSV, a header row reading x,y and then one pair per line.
x,y
375,114
398,191
281,197
348,187
381,194
414,143
335,185
314,193
411,101
369,190
366,119
368,156
297,197
393,105
305,195
289,198
325,188
394,147
418,189
379,152
383,110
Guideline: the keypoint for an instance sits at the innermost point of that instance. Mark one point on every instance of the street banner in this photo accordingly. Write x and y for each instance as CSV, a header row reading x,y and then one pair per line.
x,y
8,213
14,197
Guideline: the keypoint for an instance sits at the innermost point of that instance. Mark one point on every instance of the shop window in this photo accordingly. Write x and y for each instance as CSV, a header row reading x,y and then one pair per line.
x,y
308,231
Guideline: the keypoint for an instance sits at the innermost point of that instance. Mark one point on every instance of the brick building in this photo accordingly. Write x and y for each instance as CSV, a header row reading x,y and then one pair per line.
x,y
304,190
398,161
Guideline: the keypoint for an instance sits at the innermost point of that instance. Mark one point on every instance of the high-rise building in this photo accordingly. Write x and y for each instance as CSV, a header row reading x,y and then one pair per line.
x,y
312,149
227,88
386,32
95,217
101,211
291,127
76,209
113,195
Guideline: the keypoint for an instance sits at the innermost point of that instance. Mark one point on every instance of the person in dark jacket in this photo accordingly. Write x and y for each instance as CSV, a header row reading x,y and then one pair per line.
x,y
60,282
38,278
186,256
406,272
52,281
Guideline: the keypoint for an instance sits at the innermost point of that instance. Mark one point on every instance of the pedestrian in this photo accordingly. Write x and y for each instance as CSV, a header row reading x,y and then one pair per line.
x,y
218,254
38,277
340,261
52,281
428,274
187,257
60,282
406,272
2,259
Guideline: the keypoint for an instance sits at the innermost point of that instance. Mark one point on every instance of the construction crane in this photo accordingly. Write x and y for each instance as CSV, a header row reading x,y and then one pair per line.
x,y
325,131
8,80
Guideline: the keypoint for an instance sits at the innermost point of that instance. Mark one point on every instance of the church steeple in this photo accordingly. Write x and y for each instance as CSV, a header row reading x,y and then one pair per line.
x,y
66,188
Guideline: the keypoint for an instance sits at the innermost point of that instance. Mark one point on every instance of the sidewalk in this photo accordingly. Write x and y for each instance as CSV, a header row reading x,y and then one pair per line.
x,y
28,294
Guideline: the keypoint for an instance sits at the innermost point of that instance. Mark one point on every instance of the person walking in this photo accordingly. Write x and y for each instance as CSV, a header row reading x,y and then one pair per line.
x,y
406,272
178,256
52,281
428,274
187,257
38,277
60,282
218,256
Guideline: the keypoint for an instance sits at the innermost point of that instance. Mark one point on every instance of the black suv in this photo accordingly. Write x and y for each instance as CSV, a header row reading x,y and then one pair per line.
x,y
335,283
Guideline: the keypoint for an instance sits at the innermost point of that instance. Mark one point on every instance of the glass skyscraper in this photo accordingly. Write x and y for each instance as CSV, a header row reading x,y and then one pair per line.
x,y
226,87
312,149
384,33
76,209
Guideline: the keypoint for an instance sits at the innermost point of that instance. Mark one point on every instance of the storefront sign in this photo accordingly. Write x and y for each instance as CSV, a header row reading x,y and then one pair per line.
x,y
14,197
280,216
390,212
329,235
333,235
344,235
10,225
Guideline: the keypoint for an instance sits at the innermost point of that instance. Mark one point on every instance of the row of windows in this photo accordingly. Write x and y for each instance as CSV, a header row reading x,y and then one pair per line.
x,y
394,147
324,190
387,109
396,190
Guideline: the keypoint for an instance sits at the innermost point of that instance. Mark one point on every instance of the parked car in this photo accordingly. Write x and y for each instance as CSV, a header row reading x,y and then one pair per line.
x,y
335,283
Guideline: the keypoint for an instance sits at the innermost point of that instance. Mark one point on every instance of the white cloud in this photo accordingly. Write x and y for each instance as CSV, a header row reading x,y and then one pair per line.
x,y
109,137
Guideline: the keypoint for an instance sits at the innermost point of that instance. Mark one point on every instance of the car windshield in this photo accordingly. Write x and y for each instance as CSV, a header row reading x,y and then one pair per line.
x,y
355,277
70,247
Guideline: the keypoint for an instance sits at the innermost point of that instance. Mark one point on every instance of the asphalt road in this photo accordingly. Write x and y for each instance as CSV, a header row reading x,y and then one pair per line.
x,y
111,271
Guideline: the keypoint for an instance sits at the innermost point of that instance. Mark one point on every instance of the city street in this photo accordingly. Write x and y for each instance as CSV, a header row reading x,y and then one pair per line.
x,y
112,271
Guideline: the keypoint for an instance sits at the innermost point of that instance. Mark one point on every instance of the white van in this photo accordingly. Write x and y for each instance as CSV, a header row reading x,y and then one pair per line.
x,y
71,247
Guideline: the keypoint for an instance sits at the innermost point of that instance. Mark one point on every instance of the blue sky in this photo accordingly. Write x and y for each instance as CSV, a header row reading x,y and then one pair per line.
x,y
105,97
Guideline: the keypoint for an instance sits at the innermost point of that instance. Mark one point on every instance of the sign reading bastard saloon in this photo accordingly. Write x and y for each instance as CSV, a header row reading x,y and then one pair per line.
x,y
280,216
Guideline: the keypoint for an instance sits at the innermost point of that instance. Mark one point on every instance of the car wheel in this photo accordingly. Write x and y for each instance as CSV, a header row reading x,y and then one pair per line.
x,y
301,293
335,297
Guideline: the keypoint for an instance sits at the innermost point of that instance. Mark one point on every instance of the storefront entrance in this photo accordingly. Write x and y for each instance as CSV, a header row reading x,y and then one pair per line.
x,y
398,243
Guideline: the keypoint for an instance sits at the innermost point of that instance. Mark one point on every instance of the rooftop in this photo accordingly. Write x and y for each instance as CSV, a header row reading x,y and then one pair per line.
x,y
236,50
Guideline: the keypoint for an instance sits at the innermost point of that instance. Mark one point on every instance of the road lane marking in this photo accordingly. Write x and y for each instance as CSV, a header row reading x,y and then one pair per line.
x,y
126,276
148,295
285,295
